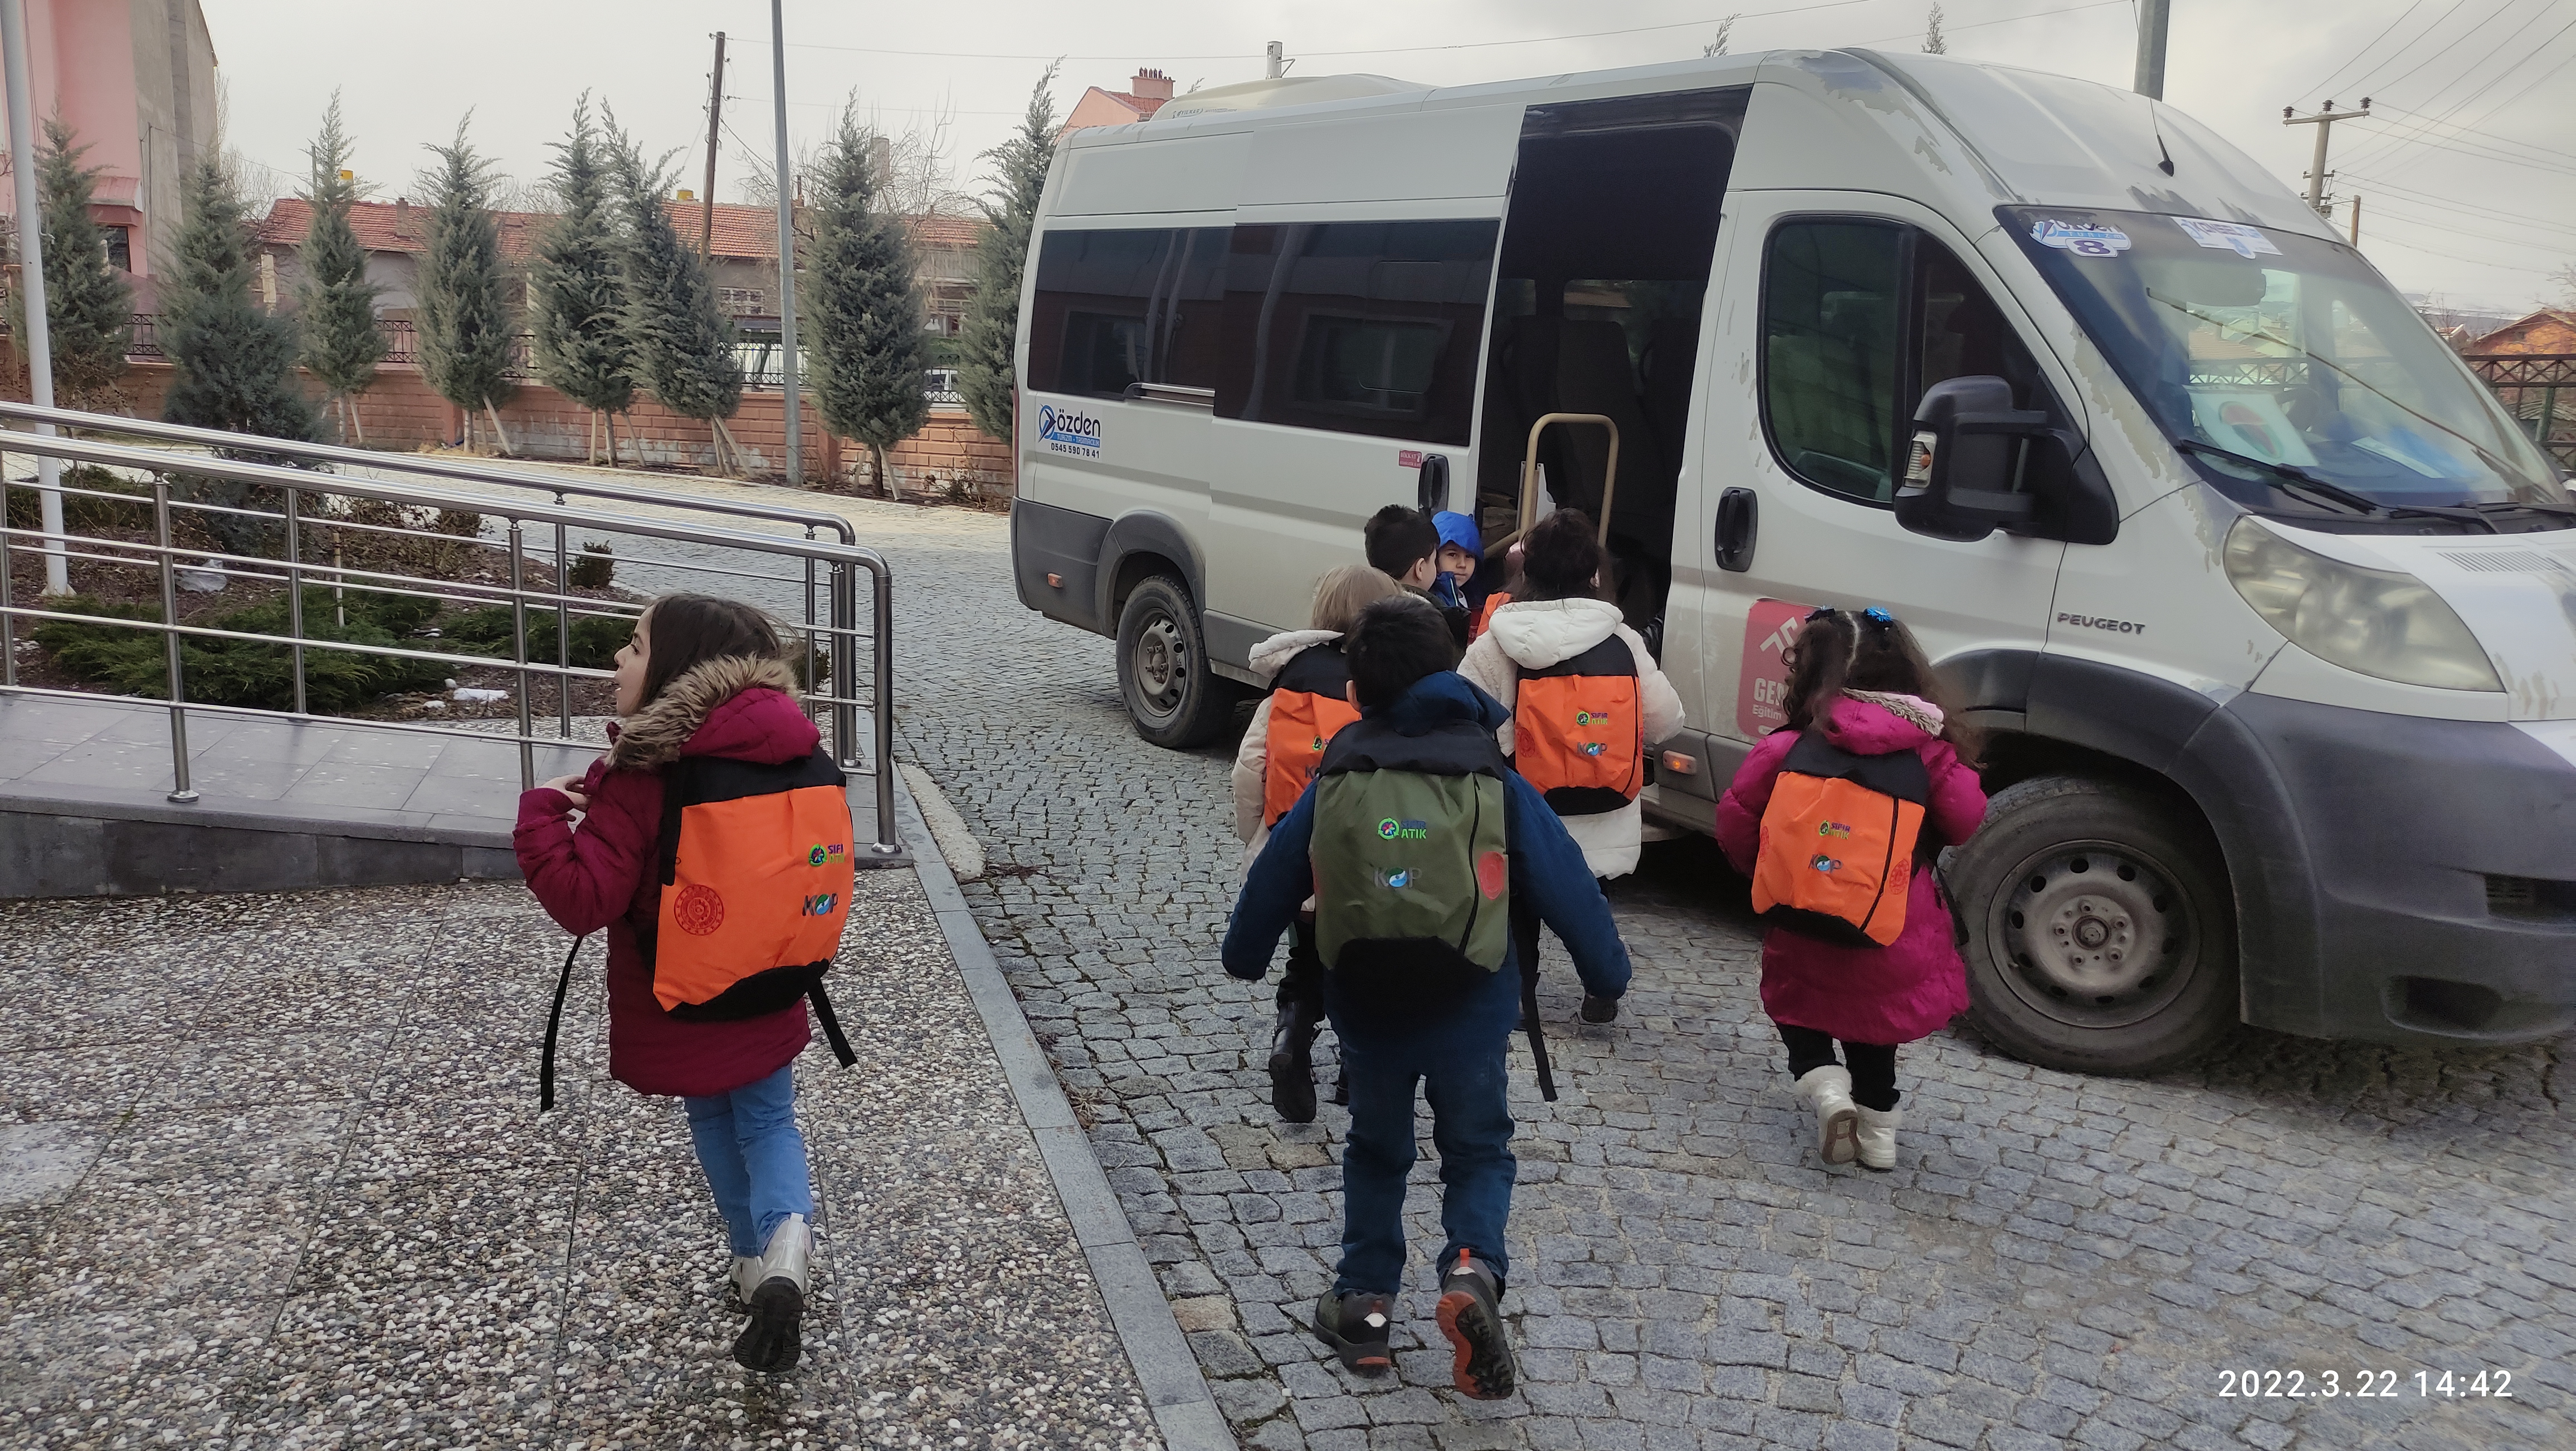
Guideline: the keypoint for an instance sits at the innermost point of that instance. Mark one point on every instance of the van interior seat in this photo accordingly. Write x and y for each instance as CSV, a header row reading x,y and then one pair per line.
x,y
1560,365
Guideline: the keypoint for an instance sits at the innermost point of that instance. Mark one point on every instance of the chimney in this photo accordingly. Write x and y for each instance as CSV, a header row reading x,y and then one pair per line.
x,y
881,159
1151,85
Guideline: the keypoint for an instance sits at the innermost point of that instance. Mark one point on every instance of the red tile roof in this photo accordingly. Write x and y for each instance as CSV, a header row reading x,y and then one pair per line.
x,y
740,230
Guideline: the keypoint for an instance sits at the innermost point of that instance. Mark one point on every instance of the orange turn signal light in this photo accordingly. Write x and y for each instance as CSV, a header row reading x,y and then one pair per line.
x,y
1681,765
1055,581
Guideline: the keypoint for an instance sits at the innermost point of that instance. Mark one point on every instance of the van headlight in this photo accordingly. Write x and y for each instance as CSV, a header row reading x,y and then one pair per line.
x,y
2377,621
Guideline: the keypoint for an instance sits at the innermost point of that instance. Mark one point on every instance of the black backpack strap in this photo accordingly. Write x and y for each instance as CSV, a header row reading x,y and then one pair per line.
x,y
554,1025
1537,1040
831,1025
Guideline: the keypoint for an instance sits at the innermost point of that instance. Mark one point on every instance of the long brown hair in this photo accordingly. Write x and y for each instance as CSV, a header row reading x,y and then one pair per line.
x,y
688,630
1562,559
1841,650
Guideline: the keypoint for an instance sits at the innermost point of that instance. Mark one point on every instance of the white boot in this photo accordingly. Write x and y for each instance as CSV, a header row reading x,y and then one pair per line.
x,y
740,1281
1878,1137
775,1337
1827,1090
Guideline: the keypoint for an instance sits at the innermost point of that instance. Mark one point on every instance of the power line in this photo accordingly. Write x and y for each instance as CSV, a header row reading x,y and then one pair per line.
x,y
2474,209
2420,36
1946,27
2320,87
2455,257
2387,145
2492,16
2384,210
2497,137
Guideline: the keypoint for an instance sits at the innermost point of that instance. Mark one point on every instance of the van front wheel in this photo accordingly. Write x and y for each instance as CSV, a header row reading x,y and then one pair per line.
x,y
1174,698
2101,937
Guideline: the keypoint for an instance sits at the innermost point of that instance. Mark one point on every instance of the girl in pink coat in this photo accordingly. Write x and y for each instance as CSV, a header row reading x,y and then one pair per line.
x,y
1860,680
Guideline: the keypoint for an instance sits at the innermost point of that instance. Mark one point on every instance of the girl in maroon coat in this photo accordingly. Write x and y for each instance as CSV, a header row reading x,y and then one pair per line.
x,y
1859,678
701,677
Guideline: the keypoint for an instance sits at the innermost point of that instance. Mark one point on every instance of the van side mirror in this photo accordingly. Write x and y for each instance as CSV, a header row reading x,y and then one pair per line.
x,y
1433,481
1963,473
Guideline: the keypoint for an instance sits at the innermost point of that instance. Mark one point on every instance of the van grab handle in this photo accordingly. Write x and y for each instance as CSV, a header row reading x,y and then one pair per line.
x,y
1529,474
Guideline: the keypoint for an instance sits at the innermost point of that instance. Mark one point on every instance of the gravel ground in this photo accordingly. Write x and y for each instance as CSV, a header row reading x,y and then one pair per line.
x,y
272,1175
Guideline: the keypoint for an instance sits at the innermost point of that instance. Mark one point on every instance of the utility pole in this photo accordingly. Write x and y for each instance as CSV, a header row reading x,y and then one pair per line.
x,y
39,341
2324,122
1278,66
786,248
2152,15
2356,219
715,117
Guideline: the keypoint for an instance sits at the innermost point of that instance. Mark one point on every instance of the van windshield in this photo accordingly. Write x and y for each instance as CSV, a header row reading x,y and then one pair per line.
x,y
2283,350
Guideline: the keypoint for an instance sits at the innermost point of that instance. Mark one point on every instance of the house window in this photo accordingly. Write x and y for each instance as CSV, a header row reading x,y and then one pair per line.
x,y
741,301
120,247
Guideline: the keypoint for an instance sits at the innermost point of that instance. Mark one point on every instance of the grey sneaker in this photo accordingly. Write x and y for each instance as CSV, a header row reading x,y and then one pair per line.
x,y
1355,1325
1471,1316
774,1339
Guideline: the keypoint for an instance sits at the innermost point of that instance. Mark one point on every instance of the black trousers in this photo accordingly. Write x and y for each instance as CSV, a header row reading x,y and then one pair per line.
x,y
1872,1065
1302,981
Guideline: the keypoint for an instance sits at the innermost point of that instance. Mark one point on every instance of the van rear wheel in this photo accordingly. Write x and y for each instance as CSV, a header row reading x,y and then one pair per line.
x,y
1176,701
2101,937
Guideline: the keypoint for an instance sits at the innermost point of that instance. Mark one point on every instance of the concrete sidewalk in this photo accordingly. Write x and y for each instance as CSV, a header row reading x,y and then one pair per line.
x,y
272,1175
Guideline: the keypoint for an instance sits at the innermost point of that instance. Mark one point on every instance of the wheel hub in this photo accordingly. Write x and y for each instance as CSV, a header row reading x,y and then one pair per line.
x,y
2096,936
1161,663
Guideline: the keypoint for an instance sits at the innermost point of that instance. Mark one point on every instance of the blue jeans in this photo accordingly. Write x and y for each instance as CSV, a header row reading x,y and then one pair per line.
x,y
1471,1126
754,1158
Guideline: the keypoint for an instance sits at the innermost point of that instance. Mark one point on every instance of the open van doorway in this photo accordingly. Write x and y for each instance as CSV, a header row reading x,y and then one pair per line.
x,y
1604,262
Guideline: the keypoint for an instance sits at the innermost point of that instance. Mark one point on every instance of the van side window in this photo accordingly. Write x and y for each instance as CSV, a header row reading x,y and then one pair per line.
x,y
1858,318
1831,328
1127,306
1356,327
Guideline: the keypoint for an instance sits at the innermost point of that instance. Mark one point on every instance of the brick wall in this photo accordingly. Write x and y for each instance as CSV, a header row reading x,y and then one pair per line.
x,y
401,410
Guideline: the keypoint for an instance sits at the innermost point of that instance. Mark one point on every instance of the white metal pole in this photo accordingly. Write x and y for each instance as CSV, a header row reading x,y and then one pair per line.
x,y
786,247
2153,19
38,342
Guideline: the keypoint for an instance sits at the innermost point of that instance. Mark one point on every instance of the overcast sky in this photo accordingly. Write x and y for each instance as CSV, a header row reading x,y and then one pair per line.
x,y
2460,85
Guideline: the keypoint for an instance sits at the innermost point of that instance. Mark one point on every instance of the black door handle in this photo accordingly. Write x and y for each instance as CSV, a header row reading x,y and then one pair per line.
x,y
1736,521
1433,481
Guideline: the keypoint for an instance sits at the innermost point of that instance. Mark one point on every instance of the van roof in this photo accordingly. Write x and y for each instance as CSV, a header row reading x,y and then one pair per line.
x,y
1958,134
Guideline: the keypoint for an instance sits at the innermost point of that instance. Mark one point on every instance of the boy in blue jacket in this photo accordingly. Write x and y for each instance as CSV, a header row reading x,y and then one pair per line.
x,y
1412,838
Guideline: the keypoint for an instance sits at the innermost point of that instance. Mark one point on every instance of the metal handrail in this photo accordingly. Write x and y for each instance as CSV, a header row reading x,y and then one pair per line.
x,y
844,610
1529,474
164,556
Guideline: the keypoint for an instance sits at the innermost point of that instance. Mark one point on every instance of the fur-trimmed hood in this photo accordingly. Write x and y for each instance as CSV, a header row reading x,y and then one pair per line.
x,y
1540,633
1272,655
733,706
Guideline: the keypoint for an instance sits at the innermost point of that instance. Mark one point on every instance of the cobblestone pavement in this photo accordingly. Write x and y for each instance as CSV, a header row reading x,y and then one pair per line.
x,y
2056,1261
272,1176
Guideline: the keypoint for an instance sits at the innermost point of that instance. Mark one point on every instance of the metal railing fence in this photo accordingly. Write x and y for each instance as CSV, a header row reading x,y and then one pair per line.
x,y
829,570
561,486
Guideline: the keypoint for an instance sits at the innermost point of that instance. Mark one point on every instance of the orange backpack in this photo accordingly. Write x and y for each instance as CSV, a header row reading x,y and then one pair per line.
x,y
756,866
1577,734
1485,617
1309,704
1838,840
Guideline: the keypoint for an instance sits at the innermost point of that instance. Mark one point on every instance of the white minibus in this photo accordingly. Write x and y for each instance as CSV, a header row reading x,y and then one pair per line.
x,y
2267,606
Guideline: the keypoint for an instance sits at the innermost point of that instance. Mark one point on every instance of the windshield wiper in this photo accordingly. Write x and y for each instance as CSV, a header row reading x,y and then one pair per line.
x,y
2288,474
2484,512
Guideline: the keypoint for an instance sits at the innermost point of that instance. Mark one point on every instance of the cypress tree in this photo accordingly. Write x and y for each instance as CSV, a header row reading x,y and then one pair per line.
x,y
232,365
987,344
336,302
683,348
866,310
575,300
464,318
88,307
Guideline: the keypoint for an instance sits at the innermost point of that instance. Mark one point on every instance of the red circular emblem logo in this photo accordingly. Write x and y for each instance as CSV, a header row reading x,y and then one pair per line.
x,y
1493,874
699,910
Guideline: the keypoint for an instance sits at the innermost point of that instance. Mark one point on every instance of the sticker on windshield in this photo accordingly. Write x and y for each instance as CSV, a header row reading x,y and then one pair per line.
x,y
2084,239
2234,237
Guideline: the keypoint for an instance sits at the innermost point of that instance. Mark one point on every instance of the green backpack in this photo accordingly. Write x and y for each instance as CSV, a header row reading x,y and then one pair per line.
x,y
1412,872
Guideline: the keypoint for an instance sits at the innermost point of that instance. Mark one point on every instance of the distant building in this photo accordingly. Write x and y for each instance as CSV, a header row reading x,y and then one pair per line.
x,y
135,80
743,261
2551,330
1143,97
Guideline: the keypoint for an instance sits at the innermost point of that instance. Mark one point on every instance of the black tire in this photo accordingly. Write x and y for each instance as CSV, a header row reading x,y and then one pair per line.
x,y
2100,932
1176,701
